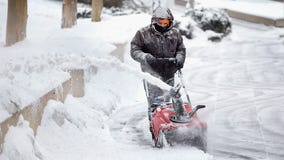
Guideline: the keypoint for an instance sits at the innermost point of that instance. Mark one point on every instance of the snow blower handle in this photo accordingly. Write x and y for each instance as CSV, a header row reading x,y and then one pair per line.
x,y
165,60
183,86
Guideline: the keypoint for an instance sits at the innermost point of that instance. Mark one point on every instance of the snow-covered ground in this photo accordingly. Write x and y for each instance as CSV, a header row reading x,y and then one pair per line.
x,y
264,8
240,80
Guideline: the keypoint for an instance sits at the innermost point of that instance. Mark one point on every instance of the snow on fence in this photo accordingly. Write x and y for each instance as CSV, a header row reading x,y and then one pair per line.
x,y
119,51
33,112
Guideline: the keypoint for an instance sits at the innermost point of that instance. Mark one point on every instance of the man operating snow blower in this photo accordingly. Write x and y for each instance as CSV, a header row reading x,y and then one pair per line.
x,y
159,49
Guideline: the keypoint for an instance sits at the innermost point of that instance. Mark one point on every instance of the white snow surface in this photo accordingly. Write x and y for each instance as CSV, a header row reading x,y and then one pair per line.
x,y
264,8
48,50
244,71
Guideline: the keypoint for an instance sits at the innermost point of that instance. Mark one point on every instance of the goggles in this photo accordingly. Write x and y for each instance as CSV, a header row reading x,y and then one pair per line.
x,y
163,22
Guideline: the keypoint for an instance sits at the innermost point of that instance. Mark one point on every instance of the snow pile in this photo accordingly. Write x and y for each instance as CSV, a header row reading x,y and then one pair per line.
x,y
263,8
39,63
85,128
21,82
73,130
20,143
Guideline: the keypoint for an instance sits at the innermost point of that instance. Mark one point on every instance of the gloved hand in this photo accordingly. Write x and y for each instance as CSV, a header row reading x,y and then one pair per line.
x,y
172,60
179,63
150,59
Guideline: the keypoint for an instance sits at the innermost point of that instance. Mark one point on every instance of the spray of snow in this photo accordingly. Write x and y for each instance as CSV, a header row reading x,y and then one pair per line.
x,y
110,121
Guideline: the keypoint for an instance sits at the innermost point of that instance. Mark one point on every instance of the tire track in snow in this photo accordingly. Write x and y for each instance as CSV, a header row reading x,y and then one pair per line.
x,y
242,98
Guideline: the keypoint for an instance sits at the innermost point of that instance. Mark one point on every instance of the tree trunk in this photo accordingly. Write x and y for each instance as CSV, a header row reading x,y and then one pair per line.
x,y
16,21
69,13
191,2
97,6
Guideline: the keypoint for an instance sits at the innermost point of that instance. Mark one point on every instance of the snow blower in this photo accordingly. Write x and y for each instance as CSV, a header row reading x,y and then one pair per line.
x,y
176,123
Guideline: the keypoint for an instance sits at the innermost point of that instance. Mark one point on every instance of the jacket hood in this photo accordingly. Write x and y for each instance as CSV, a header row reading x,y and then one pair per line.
x,y
163,13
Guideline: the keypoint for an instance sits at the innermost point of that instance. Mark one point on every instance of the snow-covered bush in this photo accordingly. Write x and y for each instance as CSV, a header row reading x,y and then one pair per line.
x,y
212,19
114,11
214,22
113,3
107,3
185,27
84,14
126,7
122,3
85,1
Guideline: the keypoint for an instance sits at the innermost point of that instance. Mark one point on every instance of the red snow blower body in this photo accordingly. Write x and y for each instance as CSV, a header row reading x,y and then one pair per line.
x,y
174,122
168,130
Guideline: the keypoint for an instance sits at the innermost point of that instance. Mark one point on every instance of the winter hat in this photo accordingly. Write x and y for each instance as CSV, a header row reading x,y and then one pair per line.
x,y
162,13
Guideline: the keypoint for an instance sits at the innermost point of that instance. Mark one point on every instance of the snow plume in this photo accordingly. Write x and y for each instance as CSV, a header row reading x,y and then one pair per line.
x,y
107,64
20,143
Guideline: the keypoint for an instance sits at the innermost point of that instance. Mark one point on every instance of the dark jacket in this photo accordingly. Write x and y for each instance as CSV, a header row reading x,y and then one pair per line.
x,y
161,45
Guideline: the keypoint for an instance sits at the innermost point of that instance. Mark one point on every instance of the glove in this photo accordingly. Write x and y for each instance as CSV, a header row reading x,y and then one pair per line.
x,y
150,59
172,61
179,63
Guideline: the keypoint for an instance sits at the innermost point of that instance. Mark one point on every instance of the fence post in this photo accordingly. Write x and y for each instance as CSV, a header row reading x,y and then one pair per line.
x,y
69,13
97,6
16,21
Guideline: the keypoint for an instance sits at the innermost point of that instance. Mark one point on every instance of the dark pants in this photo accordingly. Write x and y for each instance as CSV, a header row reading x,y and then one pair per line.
x,y
153,91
